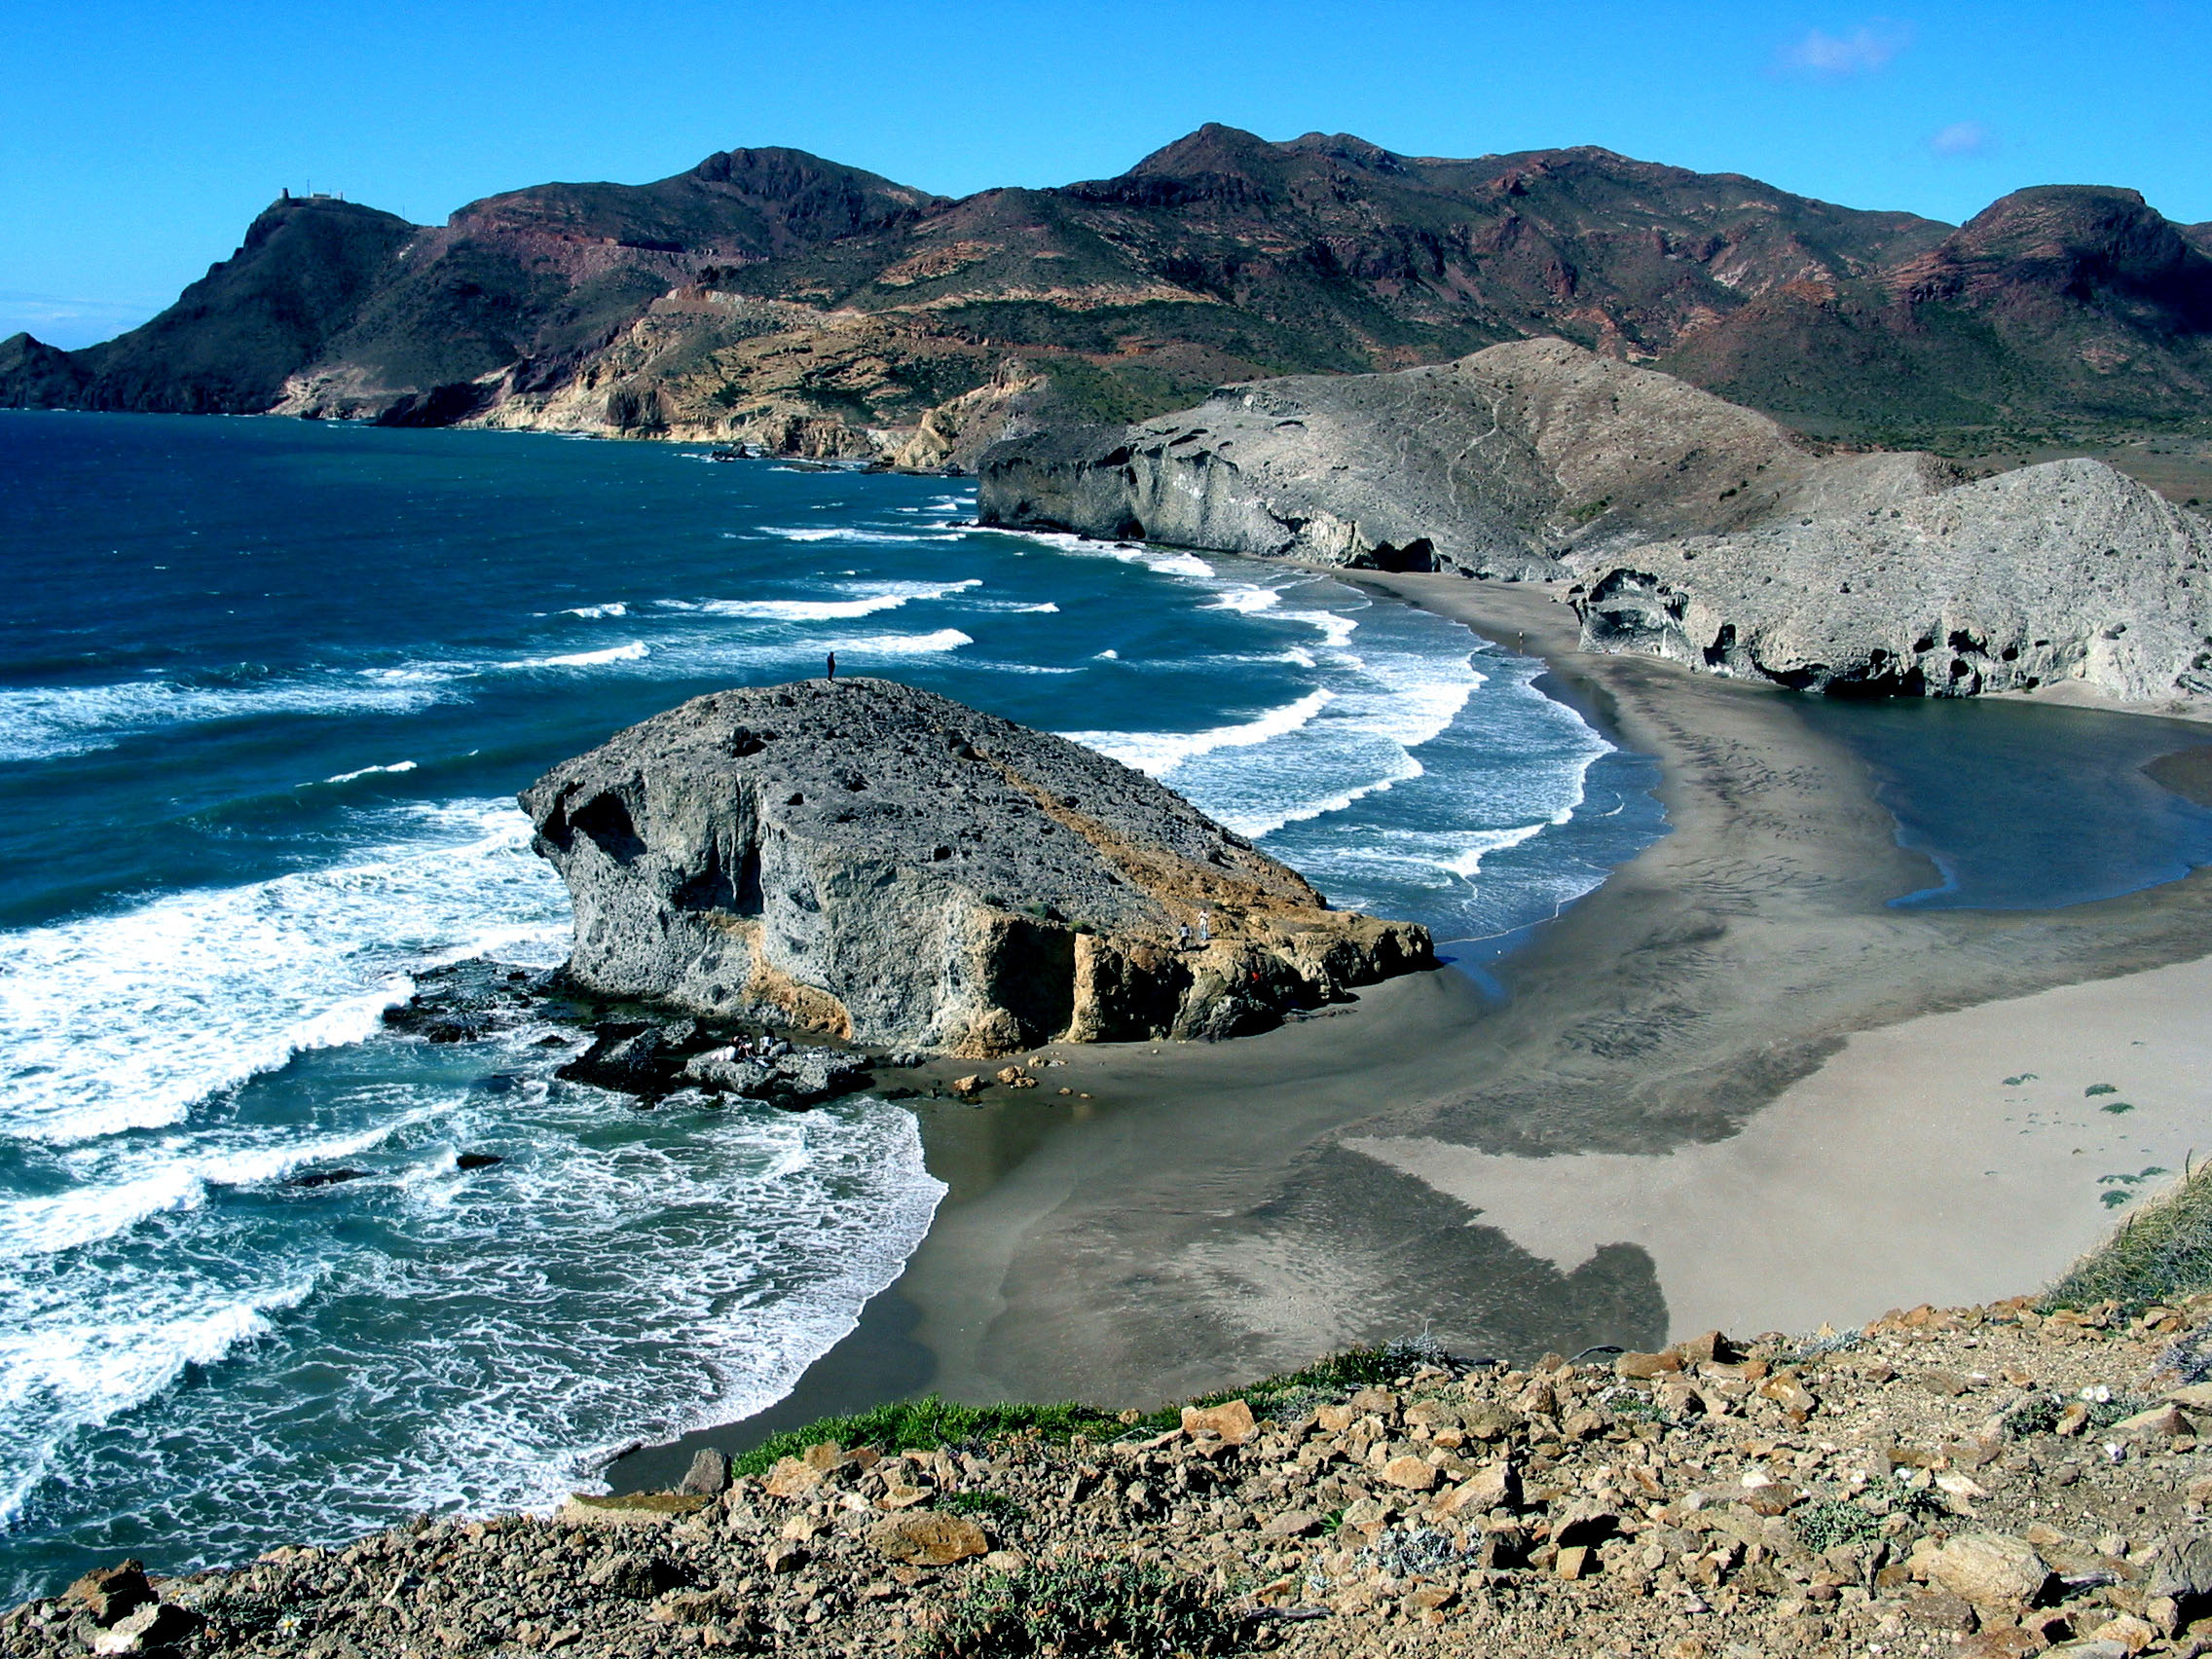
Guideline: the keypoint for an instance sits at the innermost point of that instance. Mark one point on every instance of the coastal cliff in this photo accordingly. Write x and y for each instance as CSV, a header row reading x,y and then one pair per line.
x,y
883,865
1512,462
2068,571
1688,528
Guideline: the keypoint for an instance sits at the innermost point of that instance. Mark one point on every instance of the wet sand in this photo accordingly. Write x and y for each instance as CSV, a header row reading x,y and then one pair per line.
x,y
1654,1115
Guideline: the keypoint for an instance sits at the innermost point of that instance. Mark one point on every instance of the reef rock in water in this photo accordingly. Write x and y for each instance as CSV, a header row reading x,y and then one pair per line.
x,y
884,865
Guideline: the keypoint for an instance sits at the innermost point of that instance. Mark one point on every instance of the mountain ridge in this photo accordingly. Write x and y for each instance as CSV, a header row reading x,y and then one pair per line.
x,y
770,297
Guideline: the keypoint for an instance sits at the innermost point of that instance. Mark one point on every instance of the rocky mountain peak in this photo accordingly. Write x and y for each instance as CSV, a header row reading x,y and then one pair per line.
x,y
2076,240
1348,149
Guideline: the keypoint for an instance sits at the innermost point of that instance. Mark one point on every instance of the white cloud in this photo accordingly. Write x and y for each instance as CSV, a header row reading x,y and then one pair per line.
x,y
1834,56
1964,138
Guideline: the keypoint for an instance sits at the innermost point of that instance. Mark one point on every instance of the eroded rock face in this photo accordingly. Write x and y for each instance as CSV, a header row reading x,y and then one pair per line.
x,y
2067,570
877,862
1514,462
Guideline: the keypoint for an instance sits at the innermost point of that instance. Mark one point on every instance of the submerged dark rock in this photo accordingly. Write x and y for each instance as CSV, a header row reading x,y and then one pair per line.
x,y
888,867
327,1177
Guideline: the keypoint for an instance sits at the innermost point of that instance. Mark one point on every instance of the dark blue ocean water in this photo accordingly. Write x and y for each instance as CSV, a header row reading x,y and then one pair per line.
x,y
266,691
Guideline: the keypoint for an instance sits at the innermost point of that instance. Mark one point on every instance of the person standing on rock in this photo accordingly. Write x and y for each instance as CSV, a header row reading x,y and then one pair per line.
x,y
1205,926
833,665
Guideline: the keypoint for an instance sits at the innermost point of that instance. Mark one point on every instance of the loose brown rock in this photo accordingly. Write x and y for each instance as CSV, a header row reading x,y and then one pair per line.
x,y
1990,1569
927,1539
1410,1473
112,1594
1232,1422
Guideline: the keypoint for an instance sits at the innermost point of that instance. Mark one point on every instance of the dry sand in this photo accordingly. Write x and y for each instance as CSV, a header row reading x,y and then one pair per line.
x,y
1952,1159
1712,1092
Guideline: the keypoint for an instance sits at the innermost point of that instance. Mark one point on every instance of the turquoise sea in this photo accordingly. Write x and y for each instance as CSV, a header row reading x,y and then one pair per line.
x,y
266,691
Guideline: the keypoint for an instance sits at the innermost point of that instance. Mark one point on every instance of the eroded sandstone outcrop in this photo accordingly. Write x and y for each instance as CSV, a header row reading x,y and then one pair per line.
x,y
2067,570
1513,461
886,865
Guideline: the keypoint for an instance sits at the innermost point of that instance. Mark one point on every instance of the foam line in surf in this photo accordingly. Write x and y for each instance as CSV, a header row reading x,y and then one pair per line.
x,y
1157,754
154,1181
869,599
50,722
636,650
396,766
126,1020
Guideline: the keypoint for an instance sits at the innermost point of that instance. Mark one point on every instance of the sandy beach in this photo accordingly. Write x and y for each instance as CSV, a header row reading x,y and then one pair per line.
x,y
1731,1087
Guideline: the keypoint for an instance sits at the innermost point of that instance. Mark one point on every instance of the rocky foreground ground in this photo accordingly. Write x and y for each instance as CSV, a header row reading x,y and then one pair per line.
x,y
1983,1482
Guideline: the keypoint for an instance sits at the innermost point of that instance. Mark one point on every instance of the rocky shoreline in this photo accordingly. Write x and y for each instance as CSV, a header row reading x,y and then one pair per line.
x,y
1985,1482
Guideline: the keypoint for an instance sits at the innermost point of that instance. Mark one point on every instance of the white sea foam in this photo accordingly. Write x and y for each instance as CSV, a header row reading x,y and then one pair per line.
x,y
594,1289
596,612
59,1376
1160,752
1166,561
126,1020
368,771
1467,864
46,722
849,535
870,598
133,1182
636,651
906,645
1249,600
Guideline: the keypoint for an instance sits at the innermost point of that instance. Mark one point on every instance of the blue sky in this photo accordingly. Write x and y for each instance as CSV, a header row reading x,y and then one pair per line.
x,y
137,141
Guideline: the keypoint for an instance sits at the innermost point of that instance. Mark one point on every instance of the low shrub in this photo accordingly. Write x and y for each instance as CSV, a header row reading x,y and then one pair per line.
x,y
1084,1605
2162,1253
1825,1525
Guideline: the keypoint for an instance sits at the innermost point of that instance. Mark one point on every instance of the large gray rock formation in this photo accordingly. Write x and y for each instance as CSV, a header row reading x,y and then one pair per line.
x,y
2067,570
1513,461
883,865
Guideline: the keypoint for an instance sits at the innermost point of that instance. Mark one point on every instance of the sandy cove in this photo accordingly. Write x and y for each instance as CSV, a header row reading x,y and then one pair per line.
x,y
1729,1087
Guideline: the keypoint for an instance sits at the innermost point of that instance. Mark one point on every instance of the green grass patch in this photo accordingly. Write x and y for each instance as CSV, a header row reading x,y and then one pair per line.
x,y
2115,1107
928,1422
1080,1607
924,1426
2164,1253
2097,1088
2016,1082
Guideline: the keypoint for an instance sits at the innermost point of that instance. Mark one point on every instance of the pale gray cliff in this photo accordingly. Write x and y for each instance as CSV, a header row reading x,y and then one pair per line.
x,y
2068,571
1513,461
1691,529
863,858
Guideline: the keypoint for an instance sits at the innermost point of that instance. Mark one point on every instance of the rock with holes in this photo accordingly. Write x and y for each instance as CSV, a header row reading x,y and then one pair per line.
x,y
2066,572
889,866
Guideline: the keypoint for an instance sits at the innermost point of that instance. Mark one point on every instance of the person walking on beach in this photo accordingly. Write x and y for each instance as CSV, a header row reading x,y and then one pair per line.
x,y
833,665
